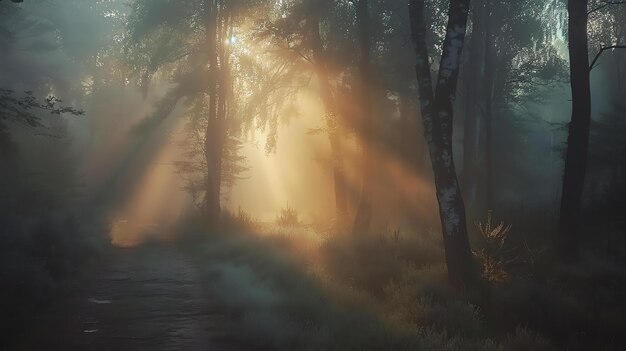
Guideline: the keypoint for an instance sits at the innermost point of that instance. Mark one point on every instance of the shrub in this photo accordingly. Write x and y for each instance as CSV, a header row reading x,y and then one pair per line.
x,y
288,217
240,222
371,261
495,255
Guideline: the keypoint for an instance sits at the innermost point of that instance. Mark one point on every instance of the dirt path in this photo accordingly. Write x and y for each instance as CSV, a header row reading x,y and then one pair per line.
x,y
142,299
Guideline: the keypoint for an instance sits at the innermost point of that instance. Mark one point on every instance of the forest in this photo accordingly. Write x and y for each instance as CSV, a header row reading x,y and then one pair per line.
x,y
312,175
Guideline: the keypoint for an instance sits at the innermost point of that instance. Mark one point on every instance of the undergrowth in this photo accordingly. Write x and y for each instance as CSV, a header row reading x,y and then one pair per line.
x,y
42,258
389,291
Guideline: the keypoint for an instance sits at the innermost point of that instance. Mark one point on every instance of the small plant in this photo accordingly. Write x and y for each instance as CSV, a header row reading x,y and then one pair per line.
x,y
239,222
288,217
494,254
245,220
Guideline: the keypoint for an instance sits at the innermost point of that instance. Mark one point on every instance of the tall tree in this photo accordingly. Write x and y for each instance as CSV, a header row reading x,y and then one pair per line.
x,y
579,128
438,114
503,71
472,123
217,19
312,36
366,128
192,45
578,138
321,68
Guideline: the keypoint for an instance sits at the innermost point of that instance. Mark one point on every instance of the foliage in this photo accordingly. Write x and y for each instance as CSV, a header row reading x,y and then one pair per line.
x,y
282,306
24,109
494,255
240,222
288,217
169,41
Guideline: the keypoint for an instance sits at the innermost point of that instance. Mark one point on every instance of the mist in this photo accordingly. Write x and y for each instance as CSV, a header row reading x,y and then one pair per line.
x,y
312,175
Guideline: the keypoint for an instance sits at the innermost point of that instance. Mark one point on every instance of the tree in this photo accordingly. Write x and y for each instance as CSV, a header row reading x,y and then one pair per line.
x,y
578,137
192,44
366,128
437,115
509,58
312,36
472,123
576,156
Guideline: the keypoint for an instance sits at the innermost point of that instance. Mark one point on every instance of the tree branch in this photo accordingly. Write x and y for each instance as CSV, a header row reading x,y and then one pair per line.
x,y
605,4
612,47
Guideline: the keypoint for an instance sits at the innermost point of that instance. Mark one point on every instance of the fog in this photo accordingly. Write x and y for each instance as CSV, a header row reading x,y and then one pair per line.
x,y
312,175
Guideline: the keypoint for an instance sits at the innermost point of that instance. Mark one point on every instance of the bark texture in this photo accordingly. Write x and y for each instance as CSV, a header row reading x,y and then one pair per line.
x,y
437,115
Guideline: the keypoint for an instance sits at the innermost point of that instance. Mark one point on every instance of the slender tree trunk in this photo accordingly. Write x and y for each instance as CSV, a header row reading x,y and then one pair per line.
x,y
578,139
339,178
472,126
364,211
332,119
488,80
212,151
437,115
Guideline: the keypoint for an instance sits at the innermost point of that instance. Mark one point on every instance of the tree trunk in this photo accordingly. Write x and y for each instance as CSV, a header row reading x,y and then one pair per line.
x,y
332,118
488,95
364,211
437,115
339,178
578,139
472,126
212,150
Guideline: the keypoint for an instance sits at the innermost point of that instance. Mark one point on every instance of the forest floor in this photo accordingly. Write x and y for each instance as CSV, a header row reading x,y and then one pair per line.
x,y
148,298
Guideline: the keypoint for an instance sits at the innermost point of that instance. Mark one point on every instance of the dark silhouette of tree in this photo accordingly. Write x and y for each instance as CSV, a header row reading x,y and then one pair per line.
x,y
509,59
576,156
366,126
578,137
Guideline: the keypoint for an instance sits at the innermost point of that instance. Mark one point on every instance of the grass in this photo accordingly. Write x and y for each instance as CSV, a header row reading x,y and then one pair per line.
x,y
294,290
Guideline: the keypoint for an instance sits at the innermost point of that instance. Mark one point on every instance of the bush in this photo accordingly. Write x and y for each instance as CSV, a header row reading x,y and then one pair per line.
x,y
241,222
390,291
371,261
495,254
288,217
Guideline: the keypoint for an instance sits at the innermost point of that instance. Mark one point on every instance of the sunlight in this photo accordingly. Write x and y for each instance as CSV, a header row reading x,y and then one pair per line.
x,y
271,175
157,202
287,176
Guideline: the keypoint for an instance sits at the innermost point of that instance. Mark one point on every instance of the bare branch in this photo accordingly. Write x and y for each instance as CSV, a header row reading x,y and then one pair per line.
x,y
612,47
